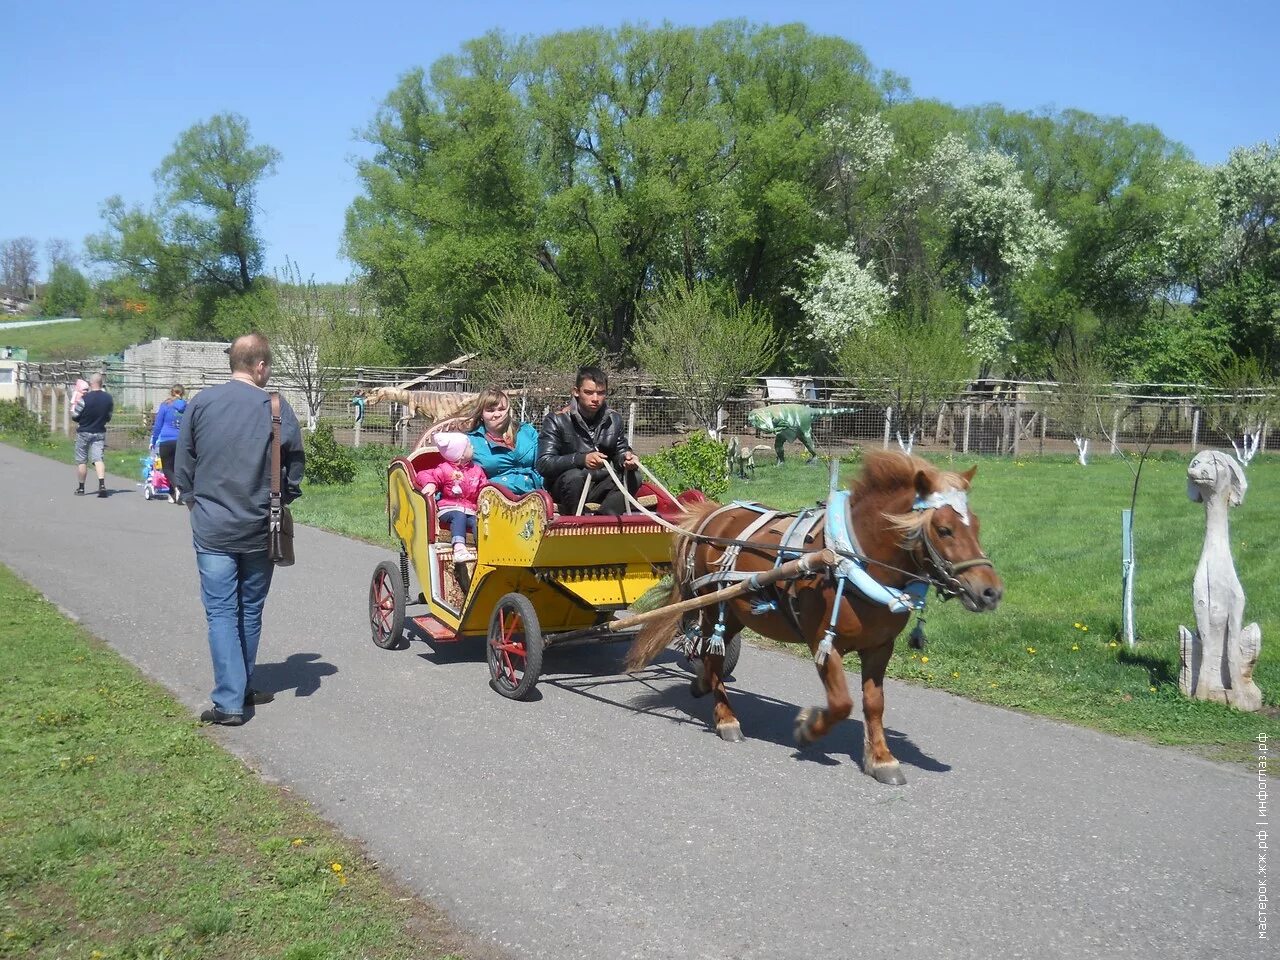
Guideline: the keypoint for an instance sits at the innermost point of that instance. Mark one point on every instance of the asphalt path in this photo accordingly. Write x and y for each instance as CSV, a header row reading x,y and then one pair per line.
x,y
605,820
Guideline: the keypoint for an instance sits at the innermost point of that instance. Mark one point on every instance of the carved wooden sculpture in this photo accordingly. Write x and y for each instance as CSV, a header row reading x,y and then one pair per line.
x,y
1219,656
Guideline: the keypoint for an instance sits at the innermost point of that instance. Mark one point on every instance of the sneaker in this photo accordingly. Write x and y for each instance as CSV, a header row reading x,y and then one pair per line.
x,y
256,698
462,554
102,491
79,491
215,715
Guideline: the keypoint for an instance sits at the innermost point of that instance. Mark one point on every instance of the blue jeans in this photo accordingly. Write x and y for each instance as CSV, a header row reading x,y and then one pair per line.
x,y
234,588
460,524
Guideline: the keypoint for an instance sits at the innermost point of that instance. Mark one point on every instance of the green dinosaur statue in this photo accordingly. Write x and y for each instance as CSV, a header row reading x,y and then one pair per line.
x,y
791,421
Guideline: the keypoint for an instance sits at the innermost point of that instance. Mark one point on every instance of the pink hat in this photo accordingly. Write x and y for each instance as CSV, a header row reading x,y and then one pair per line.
x,y
451,445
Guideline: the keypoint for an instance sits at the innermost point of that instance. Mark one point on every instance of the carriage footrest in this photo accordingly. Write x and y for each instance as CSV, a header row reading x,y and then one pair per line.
x,y
435,629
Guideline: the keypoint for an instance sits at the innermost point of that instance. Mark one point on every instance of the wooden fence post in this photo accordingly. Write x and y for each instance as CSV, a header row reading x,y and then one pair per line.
x,y
968,416
631,423
53,409
1017,427
888,420
1195,429
1115,433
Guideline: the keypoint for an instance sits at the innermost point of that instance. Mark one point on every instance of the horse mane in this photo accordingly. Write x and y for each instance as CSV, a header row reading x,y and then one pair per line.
x,y
886,473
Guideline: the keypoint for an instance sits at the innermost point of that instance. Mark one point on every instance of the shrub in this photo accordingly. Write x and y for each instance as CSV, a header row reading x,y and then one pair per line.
x,y
327,460
697,462
18,421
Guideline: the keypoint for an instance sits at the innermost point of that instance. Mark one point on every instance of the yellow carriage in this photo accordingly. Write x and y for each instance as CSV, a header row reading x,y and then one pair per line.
x,y
539,579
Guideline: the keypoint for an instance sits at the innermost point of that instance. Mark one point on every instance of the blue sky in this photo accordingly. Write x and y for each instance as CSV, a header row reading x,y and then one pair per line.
x,y
95,93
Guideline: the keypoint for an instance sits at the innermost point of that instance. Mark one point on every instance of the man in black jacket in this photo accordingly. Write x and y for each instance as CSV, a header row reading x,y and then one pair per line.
x,y
91,434
575,444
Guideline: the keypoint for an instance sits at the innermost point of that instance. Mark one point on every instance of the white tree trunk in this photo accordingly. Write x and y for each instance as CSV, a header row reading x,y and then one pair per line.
x,y
1082,451
911,442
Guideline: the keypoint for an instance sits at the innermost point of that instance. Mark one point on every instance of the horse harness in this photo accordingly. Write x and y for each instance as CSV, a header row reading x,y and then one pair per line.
x,y
798,529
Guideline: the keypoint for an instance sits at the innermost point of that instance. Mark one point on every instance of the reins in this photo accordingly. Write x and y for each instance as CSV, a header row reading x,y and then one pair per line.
x,y
949,586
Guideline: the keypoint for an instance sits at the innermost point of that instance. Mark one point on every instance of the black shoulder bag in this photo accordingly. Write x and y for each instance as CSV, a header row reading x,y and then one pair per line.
x,y
280,528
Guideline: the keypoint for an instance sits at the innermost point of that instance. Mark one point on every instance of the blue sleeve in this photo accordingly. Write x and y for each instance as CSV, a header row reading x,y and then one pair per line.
x,y
156,427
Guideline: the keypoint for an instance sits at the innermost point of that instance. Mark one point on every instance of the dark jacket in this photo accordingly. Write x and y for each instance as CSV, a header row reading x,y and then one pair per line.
x,y
223,465
96,412
566,439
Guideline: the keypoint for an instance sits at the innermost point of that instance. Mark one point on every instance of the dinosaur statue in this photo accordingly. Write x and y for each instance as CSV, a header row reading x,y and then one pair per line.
x,y
741,458
431,404
791,421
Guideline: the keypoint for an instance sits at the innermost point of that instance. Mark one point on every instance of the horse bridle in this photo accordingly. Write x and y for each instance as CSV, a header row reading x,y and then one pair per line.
x,y
947,572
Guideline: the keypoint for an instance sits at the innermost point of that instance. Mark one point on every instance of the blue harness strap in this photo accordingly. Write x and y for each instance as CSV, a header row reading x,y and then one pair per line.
x,y
840,538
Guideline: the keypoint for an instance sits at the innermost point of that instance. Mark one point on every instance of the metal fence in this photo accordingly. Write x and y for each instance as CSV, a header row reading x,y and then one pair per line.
x,y
1002,418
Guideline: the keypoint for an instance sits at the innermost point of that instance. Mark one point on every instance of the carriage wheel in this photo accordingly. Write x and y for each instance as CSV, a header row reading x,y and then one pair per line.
x,y
386,606
515,647
732,651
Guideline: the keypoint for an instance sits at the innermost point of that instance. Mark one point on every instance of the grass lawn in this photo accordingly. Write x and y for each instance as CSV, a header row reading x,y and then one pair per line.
x,y
73,341
1054,646
126,832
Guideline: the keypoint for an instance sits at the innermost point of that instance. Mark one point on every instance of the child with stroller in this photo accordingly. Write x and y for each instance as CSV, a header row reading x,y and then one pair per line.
x,y
458,482
164,434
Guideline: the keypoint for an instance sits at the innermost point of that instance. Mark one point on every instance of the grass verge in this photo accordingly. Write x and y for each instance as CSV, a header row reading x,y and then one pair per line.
x,y
74,341
125,832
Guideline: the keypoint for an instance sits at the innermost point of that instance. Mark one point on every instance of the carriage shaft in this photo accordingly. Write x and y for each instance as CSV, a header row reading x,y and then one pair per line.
x,y
792,570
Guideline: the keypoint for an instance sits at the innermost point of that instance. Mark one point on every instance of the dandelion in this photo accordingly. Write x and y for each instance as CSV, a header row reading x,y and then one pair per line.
x,y
335,867
955,673
1113,644
1031,650
924,659
1085,628
1077,625
1153,689
1075,646
297,841
994,684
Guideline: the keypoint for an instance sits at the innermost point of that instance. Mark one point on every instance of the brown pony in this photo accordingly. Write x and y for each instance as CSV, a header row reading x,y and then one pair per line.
x,y
905,536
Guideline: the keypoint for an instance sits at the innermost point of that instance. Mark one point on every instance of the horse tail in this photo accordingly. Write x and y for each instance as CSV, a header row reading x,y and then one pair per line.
x,y
655,635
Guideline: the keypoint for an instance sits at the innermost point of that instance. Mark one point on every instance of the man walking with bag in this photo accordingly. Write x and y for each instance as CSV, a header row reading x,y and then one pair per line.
x,y
223,468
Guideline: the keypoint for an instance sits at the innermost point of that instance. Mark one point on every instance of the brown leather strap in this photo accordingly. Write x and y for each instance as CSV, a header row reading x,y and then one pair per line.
x,y
275,452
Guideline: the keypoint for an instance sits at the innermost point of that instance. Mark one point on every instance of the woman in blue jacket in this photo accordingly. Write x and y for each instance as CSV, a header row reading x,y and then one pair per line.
x,y
164,435
506,452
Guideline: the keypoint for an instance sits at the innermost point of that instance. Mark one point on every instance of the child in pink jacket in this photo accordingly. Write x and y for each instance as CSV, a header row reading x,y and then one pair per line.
x,y
458,482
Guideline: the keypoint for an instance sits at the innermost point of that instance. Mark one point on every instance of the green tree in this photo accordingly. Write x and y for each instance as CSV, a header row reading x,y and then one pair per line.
x,y
319,333
199,244
699,343
598,160
1241,263
910,365
525,338
67,292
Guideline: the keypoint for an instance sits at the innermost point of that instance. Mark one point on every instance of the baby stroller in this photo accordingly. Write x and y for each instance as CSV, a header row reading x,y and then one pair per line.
x,y
154,482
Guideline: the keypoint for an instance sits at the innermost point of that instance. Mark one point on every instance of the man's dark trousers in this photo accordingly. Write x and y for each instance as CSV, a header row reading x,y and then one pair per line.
x,y
566,490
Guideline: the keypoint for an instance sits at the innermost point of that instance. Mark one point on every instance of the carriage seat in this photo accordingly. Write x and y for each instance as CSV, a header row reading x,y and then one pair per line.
x,y
428,456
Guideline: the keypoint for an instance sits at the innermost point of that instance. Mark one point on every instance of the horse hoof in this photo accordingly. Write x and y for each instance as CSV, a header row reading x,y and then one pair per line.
x,y
803,726
730,732
698,688
890,774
